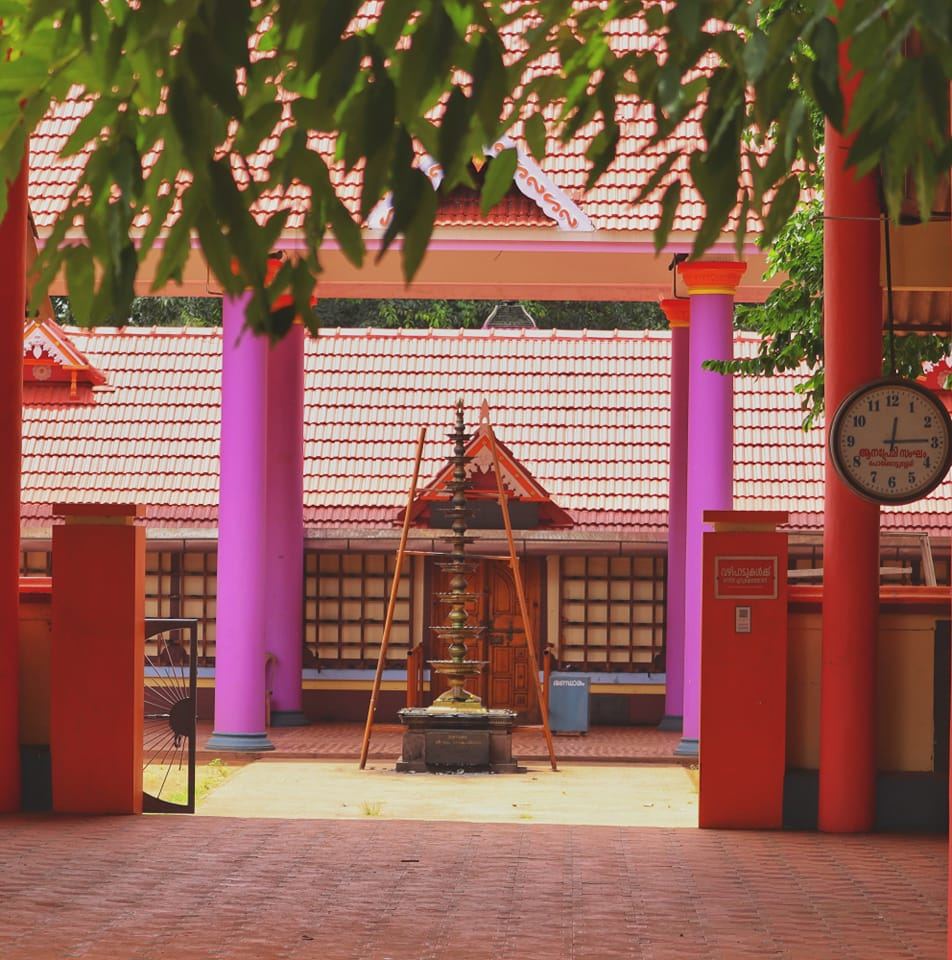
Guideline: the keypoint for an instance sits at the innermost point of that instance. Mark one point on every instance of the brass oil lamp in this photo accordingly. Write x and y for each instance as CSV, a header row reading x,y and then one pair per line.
x,y
458,631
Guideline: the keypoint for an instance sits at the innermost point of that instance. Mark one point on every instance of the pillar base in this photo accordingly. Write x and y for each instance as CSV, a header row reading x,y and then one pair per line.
x,y
289,718
239,742
671,724
687,748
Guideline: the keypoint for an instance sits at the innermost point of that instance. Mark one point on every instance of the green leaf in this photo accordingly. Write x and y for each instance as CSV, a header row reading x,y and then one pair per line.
x,y
490,84
419,230
453,135
669,207
254,128
80,281
499,173
535,136
825,74
784,203
602,152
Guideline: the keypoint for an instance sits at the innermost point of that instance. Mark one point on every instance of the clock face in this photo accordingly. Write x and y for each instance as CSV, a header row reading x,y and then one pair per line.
x,y
891,441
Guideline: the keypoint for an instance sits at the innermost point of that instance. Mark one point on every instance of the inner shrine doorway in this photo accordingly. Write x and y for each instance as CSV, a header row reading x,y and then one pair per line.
x,y
506,683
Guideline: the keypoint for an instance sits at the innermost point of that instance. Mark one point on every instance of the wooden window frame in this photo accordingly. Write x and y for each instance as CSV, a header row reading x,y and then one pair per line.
x,y
374,587
657,624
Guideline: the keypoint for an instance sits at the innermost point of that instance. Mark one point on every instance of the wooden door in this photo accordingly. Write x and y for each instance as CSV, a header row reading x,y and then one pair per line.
x,y
506,683
510,683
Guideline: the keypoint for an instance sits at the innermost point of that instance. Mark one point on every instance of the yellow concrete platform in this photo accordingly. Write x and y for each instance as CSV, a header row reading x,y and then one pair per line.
x,y
584,794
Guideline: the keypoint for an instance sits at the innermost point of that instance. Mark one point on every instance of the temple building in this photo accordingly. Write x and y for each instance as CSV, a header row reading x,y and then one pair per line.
x,y
584,424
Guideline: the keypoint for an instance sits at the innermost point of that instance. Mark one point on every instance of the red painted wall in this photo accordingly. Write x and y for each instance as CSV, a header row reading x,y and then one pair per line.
x,y
97,661
743,680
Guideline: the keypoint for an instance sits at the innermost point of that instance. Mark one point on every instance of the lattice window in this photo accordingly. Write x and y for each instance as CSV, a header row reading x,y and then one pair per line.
x,y
36,563
199,592
183,584
345,603
613,613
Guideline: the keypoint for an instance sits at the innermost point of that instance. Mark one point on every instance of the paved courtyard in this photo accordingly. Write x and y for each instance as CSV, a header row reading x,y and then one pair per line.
x,y
198,888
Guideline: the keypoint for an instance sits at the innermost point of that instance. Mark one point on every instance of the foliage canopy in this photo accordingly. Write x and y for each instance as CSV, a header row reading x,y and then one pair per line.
x,y
185,91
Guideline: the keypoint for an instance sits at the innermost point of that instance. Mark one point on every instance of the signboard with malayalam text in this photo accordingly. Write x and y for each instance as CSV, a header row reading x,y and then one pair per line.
x,y
745,577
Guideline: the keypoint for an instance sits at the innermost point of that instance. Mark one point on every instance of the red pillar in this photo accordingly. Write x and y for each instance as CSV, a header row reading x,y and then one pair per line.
x,y
12,308
852,329
96,659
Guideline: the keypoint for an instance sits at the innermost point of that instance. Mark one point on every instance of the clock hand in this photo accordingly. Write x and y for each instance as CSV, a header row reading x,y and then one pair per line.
x,y
892,439
912,440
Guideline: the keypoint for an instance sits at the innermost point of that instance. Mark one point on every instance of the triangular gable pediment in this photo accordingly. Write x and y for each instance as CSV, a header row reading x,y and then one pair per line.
x,y
529,178
49,356
518,482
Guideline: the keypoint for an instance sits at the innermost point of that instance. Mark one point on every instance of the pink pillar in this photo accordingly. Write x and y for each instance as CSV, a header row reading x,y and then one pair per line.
x,y
677,313
284,630
242,503
710,454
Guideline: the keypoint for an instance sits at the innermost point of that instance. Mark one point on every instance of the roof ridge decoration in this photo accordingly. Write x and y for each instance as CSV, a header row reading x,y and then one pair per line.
x,y
517,481
529,177
50,356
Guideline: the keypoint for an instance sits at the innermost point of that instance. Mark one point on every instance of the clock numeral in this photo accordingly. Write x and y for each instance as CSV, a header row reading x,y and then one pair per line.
x,y
873,474
859,421
935,443
927,423
892,399
912,477
912,406
873,406
855,461
928,462
850,440
891,482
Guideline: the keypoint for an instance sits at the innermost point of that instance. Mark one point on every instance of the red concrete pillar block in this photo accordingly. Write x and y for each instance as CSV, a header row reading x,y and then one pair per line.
x,y
12,308
743,671
98,652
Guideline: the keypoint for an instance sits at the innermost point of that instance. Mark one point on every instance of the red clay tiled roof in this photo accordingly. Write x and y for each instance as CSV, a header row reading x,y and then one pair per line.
x,y
610,204
585,412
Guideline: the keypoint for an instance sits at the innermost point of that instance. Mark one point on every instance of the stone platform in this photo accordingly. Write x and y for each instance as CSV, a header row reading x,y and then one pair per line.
x,y
467,740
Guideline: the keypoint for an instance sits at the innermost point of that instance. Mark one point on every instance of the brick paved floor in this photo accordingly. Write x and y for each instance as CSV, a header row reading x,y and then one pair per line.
x,y
341,741
180,888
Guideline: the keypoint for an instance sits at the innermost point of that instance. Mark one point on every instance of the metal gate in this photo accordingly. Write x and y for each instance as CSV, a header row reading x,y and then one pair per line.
x,y
169,726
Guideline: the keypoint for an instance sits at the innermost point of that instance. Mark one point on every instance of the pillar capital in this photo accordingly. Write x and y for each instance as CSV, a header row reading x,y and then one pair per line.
x,y
677,311
714,276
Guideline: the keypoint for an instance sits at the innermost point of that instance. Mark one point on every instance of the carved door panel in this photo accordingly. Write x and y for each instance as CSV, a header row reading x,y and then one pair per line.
x,y
506,683
510,682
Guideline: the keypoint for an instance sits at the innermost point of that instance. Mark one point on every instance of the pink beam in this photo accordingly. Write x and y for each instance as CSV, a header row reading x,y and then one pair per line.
x,y
677,313
241,602
12,309
284,630
710,454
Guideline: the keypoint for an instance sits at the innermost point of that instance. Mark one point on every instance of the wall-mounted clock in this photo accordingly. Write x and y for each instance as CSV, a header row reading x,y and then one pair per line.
x,y
891,441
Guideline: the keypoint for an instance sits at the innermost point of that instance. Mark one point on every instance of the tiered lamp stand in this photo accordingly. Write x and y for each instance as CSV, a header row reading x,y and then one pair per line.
x,y
457,732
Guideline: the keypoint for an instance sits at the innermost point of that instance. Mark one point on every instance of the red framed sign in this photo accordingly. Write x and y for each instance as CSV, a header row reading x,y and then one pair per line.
x,y
745,577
